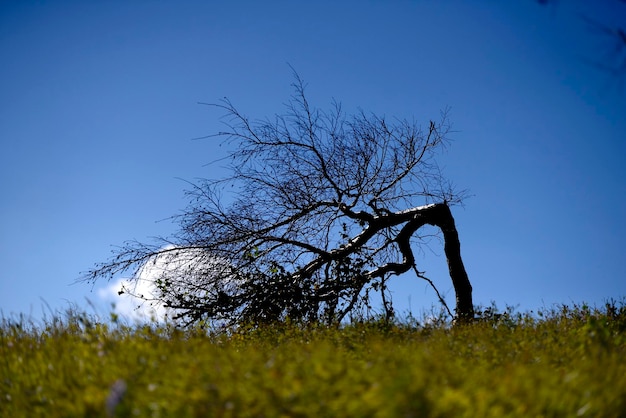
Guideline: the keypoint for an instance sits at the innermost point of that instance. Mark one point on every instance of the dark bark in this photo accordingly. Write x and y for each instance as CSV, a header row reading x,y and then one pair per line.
x,y
438,215
452,247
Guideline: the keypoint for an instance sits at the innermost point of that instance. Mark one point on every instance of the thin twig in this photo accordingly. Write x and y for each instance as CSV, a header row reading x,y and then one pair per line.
x,y
443,302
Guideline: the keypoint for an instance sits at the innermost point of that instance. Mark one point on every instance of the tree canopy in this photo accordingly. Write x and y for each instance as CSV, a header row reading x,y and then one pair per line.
x,y
320,209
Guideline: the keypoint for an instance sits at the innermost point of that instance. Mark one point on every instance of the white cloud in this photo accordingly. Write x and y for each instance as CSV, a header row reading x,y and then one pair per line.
x,y
130,307
136,299
192,262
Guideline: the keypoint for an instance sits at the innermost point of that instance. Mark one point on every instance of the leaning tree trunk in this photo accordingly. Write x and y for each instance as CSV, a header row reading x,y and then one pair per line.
x,y
438,215
442,217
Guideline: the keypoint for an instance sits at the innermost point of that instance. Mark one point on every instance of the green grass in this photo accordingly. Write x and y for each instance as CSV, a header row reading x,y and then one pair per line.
x,y
566,362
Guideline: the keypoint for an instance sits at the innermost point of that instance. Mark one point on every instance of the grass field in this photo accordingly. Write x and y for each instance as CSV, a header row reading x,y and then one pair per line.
x,y
565,362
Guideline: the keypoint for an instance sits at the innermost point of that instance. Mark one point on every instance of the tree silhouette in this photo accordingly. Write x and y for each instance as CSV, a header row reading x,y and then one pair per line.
x,y
320,210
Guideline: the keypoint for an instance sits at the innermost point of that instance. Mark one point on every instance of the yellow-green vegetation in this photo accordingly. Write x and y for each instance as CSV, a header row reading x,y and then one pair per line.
x,y
566,362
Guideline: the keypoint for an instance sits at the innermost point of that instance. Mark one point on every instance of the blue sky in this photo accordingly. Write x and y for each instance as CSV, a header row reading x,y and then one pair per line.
x,y
98,111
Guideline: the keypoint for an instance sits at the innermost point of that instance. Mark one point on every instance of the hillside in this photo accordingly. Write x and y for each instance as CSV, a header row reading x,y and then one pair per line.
x,y
568,361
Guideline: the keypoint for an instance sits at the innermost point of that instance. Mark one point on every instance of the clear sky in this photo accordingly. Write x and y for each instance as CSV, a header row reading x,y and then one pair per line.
x,y
98,108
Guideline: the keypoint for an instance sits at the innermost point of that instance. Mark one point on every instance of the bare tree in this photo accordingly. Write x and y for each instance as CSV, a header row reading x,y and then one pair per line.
x,y
319,211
